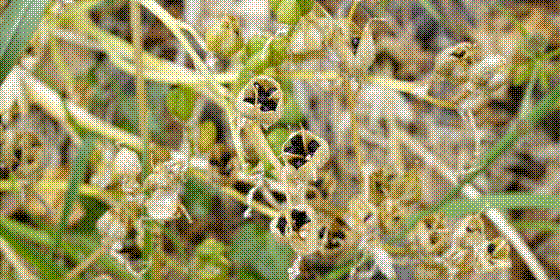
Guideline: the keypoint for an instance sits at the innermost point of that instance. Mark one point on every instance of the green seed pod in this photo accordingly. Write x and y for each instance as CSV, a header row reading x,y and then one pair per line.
x,y
255,44
262,100
224,38
278,50
180,102
354,48
209,261
207,136
290,11
454,63
303,154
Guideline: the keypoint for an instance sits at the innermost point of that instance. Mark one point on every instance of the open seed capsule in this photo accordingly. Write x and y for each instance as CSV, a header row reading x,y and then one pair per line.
x,y
493,255
335,237
362,216
262,100
318,193
304,230
432,235
392,214
405,188
304,153
469,232
28,157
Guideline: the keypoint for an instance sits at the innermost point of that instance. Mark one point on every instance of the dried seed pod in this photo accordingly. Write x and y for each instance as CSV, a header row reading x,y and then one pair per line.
x,y
335,237
278,227
304,153
223,164
164,204
489,74
392,214
429,271
469,232
318,193
405,188
432,235
307,38
458,262
454,63
28,158
492,255
379,185
362,216
111,225
126,164
354,48
224,38
304,230
262,100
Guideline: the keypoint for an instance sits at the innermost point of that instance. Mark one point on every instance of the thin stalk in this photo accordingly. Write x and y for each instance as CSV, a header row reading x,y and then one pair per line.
x,y
87,262
352,9
137,41
264,149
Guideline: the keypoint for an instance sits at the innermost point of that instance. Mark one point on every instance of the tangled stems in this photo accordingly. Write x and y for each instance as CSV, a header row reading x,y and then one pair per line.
x,y
520,127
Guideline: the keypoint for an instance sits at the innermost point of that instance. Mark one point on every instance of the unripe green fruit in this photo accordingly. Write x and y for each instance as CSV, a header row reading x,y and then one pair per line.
x,y
207,137
180,102
224,38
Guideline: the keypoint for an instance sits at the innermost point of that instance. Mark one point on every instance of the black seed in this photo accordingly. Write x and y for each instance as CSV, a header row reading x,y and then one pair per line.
x,y
322,232
459,54
428,224
268,105
355,42
396,219
224,159
297,162
340,221
15,166
469,229
281,225
133,252
214,162
310,195
249,100
17,154
4,173
260,89
332,245
297,141
280,197
300,218
318,183
338,234
366,218
433,238
264,95
313,146
491,248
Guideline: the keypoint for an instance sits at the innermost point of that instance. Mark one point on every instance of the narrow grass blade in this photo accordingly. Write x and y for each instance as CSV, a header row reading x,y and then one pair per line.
x,y
429,7
502,201
44,265
537,225
19,22
77,173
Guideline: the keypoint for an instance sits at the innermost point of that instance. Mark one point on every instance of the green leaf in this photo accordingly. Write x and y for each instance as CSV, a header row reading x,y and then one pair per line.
x,y
501,201
254,247
429,7
44,265
180,102
537,225
77,175
19,22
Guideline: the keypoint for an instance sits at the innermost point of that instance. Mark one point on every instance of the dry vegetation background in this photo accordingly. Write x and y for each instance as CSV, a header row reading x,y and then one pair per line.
x,y
79,68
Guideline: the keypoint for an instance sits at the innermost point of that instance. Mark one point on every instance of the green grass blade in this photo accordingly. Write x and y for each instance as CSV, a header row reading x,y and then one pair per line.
x,y
537,225
77,174
429,7
501,201
44,265
18,23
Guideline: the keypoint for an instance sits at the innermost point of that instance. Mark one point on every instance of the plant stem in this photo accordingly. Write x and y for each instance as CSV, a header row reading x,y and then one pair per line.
x,y
138,43
264,149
